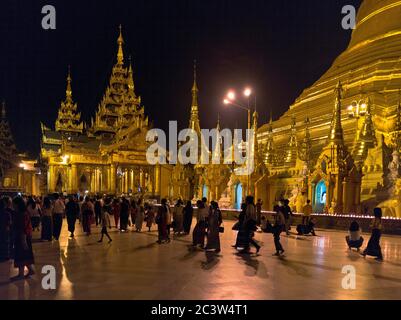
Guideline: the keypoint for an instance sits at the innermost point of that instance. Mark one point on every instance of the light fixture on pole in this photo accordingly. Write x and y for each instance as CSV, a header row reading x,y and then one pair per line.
x,y
231,100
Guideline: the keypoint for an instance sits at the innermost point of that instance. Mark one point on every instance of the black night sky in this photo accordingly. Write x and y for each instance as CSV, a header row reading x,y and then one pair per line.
x,y
277,47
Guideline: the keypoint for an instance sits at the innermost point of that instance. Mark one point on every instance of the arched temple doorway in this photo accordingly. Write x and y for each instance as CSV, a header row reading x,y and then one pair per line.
x,y
238,196
205,191
320,196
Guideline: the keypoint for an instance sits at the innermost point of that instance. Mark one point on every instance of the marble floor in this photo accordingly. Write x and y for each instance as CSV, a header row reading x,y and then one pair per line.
x,y
133,266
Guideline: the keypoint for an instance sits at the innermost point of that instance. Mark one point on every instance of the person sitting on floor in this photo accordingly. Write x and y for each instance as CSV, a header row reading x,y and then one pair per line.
x,y
354,239
305,229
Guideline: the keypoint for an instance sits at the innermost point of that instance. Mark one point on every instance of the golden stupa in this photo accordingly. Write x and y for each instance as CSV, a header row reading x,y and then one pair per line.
x,y
370,73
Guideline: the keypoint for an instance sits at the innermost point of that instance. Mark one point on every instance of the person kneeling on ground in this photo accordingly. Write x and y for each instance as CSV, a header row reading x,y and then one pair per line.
x,y
354,239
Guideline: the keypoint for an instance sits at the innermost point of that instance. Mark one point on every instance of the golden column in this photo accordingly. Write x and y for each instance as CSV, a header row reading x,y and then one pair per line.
x,y
126,180
74,187
97,179
132,180
141,178
101,188
107,187
69,182
112,183
157,178
50,178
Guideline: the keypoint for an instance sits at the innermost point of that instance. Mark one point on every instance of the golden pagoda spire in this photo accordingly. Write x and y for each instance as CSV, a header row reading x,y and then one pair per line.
x,y
68,91
366,136
291,155
120,53
306,144
269,148
194,119
130,76
336,131
195,89
218,147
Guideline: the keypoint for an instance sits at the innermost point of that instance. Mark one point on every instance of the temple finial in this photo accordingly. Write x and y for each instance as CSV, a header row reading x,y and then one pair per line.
x,y
68,91
130,75
339,90
336,131
130,65
194,119
195,88
218,121
120,42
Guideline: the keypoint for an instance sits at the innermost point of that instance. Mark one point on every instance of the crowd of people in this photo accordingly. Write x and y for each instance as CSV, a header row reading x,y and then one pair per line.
x,y
20,216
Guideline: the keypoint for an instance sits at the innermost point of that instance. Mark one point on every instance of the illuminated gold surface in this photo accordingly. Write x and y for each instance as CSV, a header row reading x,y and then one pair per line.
x,y
371,79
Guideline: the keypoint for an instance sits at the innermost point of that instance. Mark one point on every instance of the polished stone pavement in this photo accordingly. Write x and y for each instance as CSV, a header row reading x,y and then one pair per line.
x,y
133,266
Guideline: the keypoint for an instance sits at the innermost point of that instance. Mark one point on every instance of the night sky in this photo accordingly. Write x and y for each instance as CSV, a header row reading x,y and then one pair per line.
x,y
277,47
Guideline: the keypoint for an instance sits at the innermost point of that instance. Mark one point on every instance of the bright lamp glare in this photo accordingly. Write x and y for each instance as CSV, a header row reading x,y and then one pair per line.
x,y
231,95
247,92
226,101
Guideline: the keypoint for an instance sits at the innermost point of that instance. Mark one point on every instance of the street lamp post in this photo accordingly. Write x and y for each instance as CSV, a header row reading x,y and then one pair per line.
x,y
230,100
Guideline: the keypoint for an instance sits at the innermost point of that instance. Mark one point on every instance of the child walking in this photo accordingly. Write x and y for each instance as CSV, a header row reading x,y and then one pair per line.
x,y
105,219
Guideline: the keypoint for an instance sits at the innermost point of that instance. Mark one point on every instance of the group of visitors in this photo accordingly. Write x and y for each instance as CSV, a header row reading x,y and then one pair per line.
x,y
208,225
179,218
20,216
16,226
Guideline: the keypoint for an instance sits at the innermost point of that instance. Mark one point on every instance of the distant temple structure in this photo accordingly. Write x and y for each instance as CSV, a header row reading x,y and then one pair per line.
x,y
337,145
18,173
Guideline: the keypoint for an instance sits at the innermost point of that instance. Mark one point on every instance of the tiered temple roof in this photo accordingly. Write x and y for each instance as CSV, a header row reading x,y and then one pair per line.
x,y
68,120
119,116
119,107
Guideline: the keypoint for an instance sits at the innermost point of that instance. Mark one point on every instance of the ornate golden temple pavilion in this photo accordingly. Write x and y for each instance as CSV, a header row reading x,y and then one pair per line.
x,y
109,156
338,144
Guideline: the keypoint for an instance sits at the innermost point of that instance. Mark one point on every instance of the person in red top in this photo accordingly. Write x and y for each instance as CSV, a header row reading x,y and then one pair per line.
x,y
22,232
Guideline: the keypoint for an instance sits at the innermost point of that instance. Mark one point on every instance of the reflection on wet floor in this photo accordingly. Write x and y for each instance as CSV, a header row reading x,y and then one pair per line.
x,y
133,266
